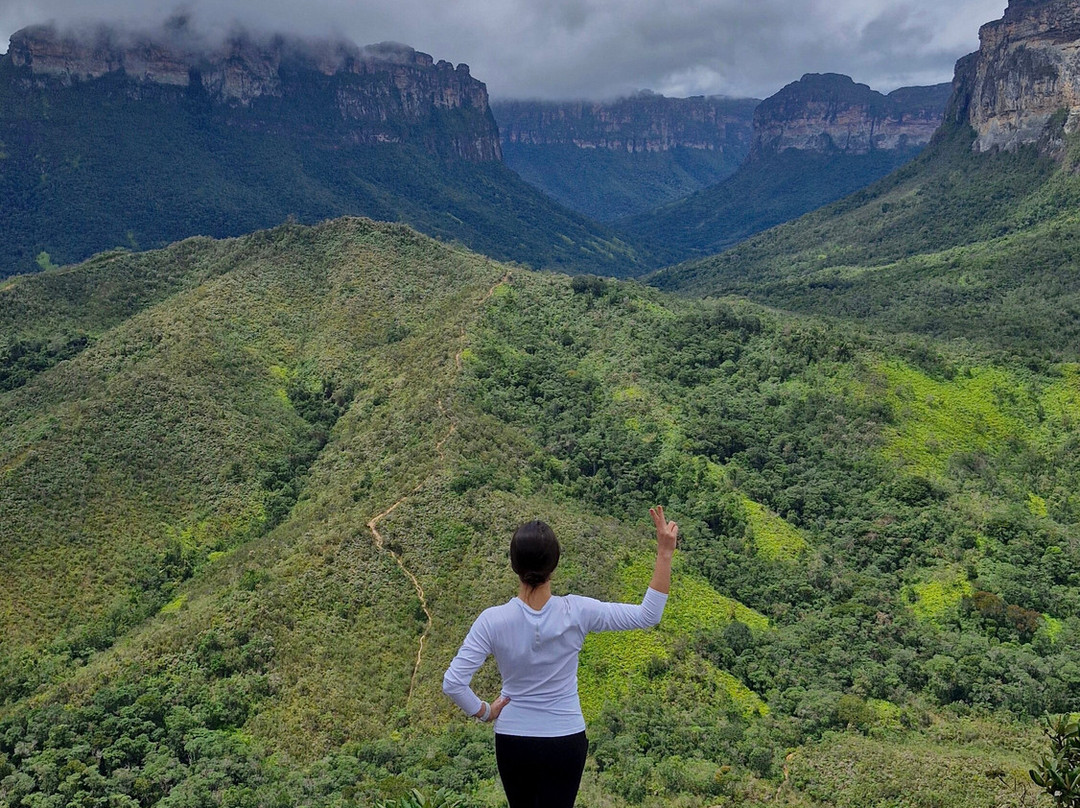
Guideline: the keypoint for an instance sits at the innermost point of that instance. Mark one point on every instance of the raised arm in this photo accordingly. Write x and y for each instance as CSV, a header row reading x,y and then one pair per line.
x,y
600,616
667,534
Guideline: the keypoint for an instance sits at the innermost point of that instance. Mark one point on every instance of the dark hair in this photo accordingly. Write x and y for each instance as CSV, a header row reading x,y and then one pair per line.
x,y
534,553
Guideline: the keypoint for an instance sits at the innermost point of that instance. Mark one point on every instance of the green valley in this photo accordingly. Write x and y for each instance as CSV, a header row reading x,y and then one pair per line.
x,y
255,491
760,194
979,247
624,157
100,162
815,141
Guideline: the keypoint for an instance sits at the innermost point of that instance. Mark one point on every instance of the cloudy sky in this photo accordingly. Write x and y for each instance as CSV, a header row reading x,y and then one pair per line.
x,y
605,48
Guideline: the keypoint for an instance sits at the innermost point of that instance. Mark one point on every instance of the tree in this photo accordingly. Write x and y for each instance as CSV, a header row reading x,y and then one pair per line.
x,y
1058,773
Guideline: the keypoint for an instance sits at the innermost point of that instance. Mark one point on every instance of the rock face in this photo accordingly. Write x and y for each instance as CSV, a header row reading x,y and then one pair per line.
x,y
1025,75
383,93
642,123
828,113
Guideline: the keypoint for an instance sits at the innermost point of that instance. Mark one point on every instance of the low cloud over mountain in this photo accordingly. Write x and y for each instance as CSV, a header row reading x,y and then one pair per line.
x,y
595,49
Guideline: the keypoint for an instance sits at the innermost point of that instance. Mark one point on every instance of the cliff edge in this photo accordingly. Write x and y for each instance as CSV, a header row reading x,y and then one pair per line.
x,y
381,93
828,112
1024,77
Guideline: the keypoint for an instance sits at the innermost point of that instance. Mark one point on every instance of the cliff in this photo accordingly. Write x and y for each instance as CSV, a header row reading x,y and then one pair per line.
x,y
112,139
642,123
826,113
1025,76
385,93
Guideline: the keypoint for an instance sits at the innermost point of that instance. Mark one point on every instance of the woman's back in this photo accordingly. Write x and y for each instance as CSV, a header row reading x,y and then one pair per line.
x,y
537,654
540,743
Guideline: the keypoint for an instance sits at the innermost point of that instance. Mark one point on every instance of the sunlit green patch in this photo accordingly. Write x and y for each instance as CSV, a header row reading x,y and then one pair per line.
x,y
1037,505
613,662
886,713
746,700
773,537
936,598
617,663
935,420
1051,628
175,605
692,604
629,393
1061,400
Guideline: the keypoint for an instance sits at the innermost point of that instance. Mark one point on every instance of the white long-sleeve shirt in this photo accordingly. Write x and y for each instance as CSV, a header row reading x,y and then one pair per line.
x,y
537,655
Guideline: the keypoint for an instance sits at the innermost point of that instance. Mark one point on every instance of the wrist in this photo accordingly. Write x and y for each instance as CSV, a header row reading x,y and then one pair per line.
x,y
484,715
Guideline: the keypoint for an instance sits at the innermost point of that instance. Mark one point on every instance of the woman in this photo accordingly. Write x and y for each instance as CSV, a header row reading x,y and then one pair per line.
x,y
540,742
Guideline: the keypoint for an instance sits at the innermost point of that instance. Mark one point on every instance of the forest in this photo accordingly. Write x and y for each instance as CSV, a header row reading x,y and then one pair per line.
x,y
243,479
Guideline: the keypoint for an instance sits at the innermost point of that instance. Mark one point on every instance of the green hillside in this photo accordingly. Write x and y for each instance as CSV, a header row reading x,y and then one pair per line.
x,y
954,245
606,184
256,490
613,159
765,191
94,166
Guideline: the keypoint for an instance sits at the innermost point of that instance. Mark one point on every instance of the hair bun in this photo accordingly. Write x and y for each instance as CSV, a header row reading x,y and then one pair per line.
x,y
534,578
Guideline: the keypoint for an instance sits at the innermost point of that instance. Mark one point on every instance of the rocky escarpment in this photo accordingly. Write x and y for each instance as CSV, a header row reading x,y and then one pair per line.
x,y
1023,84
381,93
642,123
827,112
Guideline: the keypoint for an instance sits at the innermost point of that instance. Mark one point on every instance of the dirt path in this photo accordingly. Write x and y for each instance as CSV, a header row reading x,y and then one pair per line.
x,y
373,523
372,526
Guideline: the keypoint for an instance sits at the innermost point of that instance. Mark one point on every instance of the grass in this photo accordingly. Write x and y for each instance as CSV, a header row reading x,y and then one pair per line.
x,y
774,539
939,419
211,462
940,596
980,764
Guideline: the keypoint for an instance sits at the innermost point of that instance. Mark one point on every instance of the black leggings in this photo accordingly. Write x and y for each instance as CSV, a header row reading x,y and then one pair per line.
x,y
541,772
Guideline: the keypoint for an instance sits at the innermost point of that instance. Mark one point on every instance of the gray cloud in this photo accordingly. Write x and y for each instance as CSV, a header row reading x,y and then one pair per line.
x,y
604,48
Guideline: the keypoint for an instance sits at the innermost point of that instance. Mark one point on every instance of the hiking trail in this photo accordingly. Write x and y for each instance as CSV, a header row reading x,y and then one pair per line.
x,y
373,523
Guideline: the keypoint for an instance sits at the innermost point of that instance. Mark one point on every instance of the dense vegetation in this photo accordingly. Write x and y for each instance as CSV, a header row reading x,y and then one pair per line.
x,y
765,191
97,165
626,156
606,184
877,592
955,244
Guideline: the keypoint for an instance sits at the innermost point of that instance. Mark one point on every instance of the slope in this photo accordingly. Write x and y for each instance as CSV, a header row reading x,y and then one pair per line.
x,y
98,164
815,141
250,521
957,244
616,159
760,194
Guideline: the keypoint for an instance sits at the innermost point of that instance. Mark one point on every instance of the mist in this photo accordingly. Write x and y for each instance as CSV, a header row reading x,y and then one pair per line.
x,y
596,49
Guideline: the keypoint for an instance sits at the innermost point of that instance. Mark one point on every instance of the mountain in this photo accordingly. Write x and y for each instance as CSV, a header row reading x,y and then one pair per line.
x,y
243,72
255,490
975,239
816,140
115,139
1023,79
829,113
609,160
